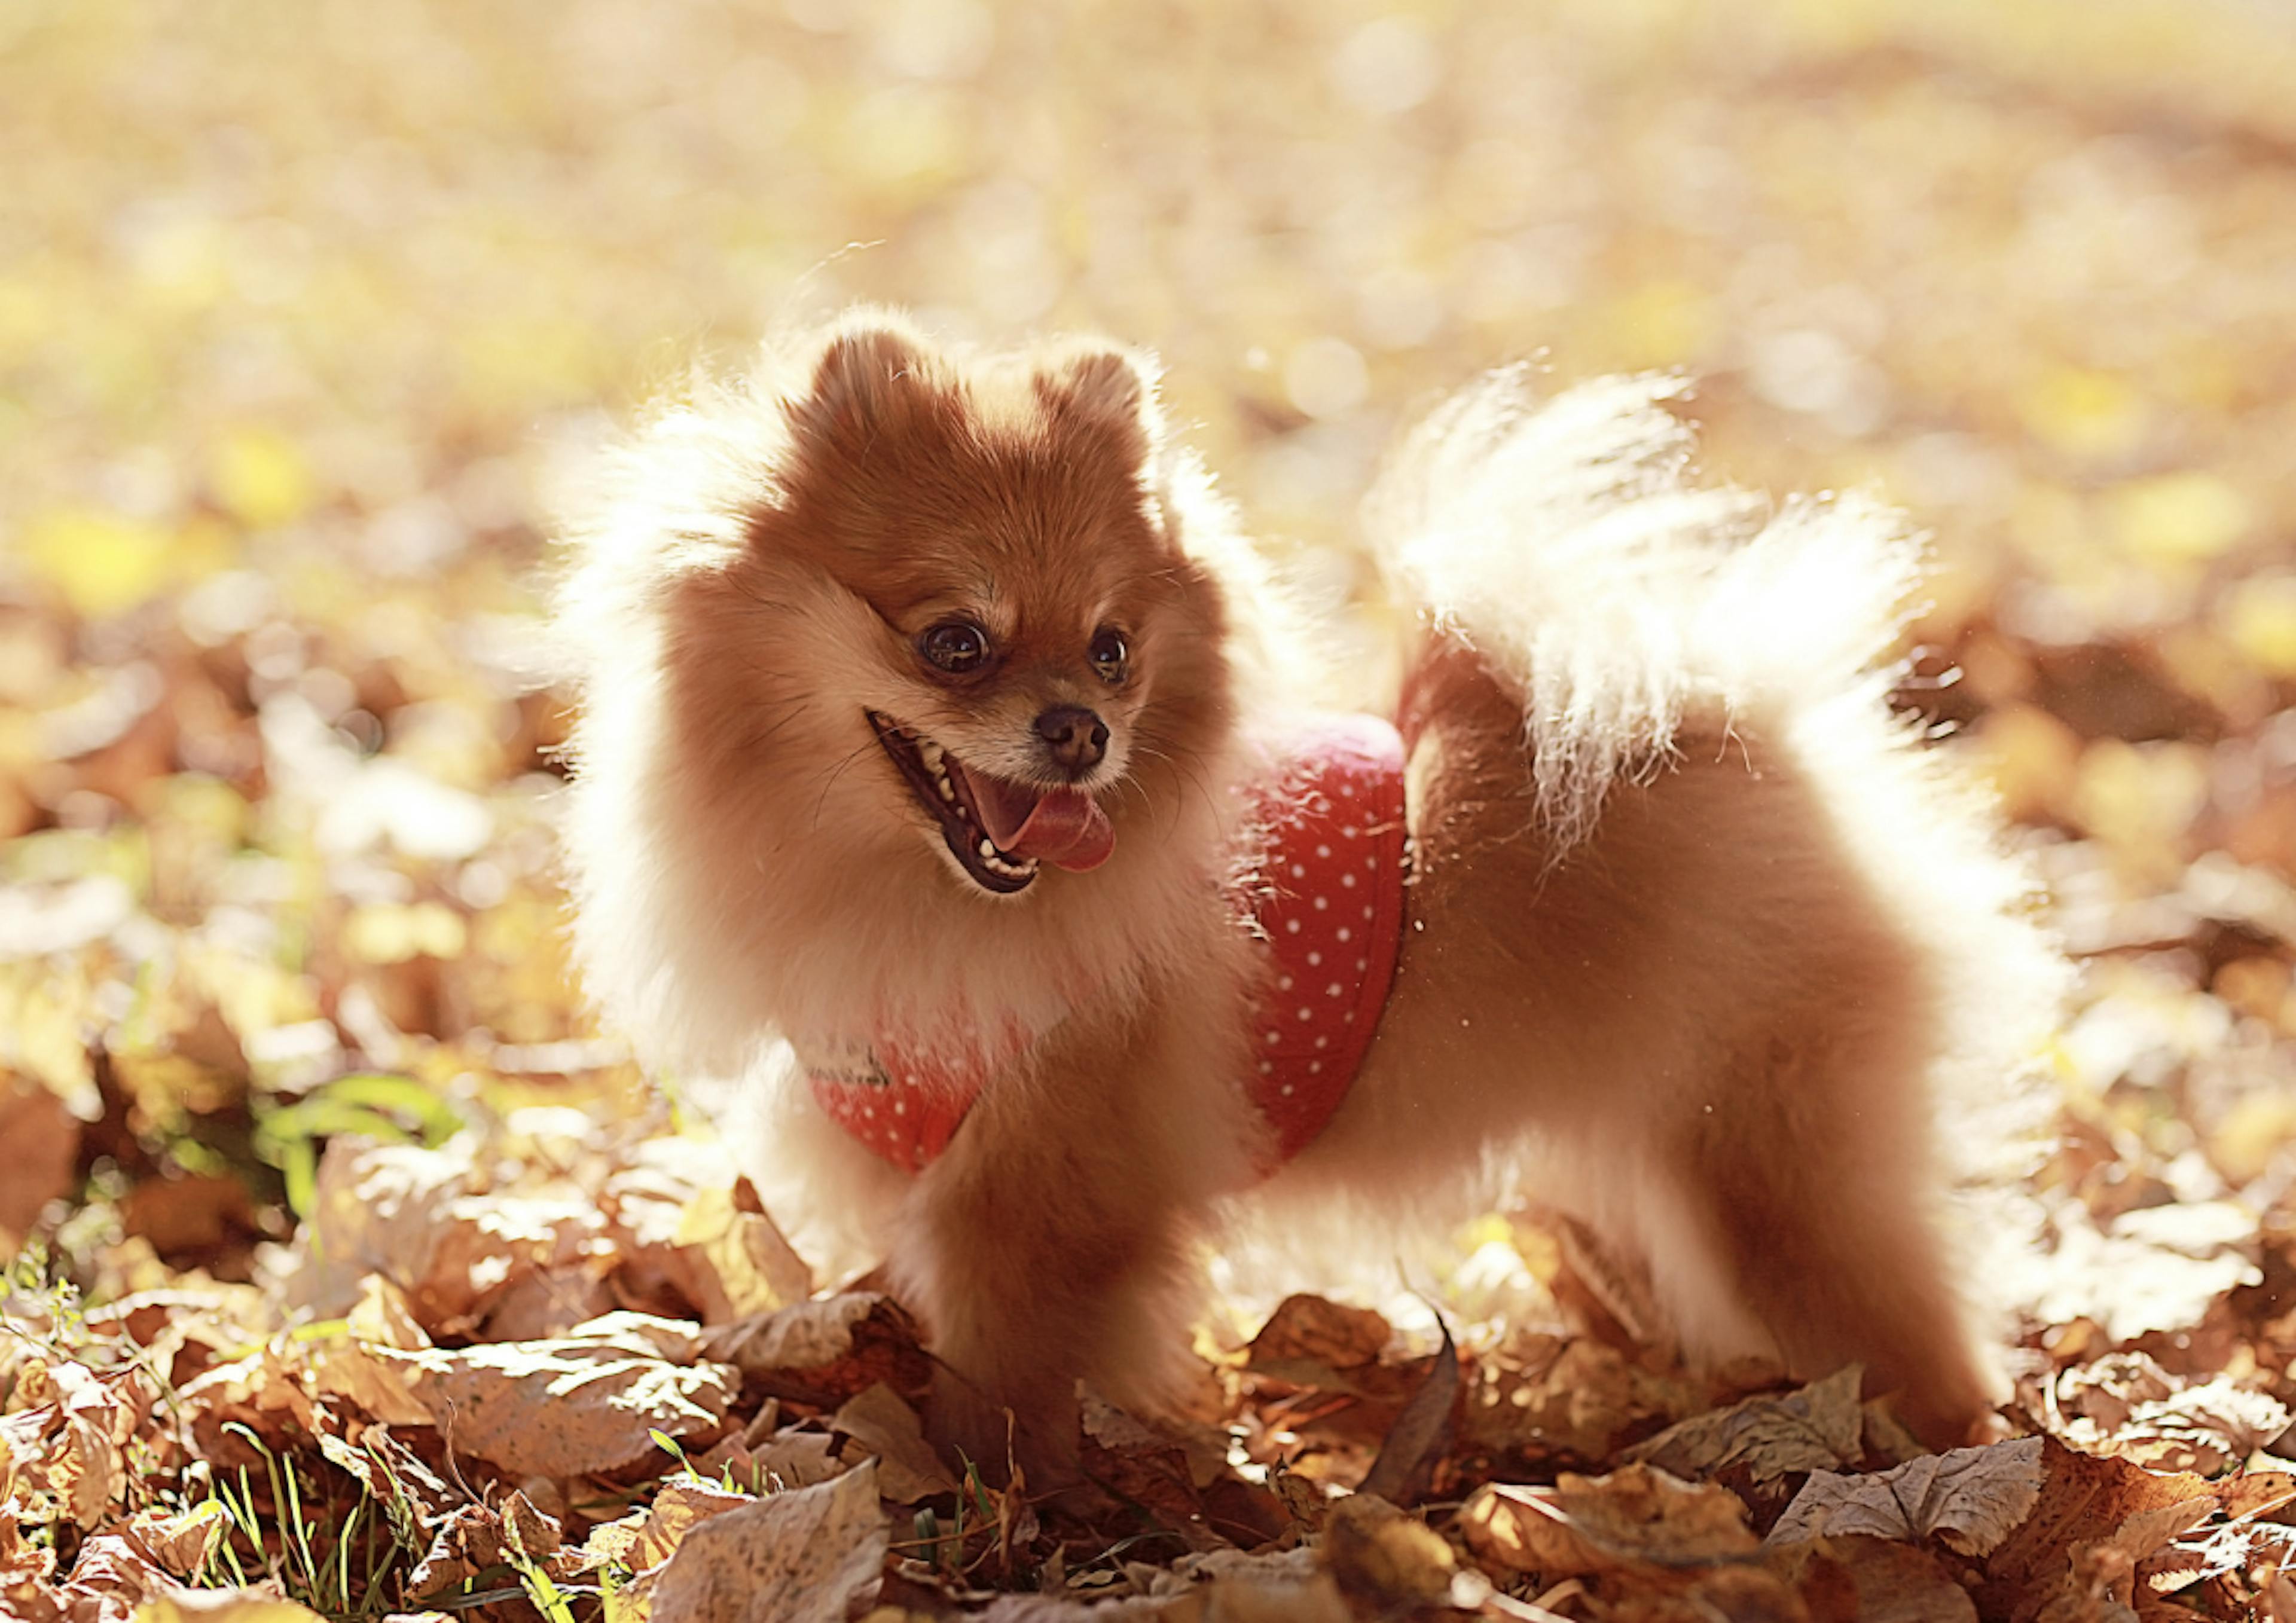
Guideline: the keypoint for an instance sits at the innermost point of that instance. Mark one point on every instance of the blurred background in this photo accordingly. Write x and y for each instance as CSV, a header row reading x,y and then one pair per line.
x,y
300,306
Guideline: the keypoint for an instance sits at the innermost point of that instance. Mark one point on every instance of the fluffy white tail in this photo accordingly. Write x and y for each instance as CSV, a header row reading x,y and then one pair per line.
x,y
1563,540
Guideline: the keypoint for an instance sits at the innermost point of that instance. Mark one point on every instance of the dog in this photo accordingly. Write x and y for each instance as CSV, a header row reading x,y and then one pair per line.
x,y
950,771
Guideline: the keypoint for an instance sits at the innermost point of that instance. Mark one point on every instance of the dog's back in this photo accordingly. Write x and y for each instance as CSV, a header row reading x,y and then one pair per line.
x,y
1690,909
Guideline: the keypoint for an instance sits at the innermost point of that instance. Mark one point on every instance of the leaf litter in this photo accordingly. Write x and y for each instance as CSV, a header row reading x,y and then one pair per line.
x,y
354,1275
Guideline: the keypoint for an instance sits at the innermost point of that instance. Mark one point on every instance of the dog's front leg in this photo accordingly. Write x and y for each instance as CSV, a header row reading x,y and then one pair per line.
x,y
1051,1242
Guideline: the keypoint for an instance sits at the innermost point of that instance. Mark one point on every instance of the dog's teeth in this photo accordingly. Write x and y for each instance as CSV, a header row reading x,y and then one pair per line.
x,y
988,850
931,752
947,789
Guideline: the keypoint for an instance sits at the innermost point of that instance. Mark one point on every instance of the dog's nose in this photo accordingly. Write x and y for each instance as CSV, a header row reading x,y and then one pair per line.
x,y
1074,737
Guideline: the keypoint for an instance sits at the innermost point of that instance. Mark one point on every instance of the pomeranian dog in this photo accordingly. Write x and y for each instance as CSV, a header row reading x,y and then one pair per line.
x,y
949,771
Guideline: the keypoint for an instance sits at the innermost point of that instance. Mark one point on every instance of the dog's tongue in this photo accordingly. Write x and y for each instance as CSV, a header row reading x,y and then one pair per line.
x,y
1063,827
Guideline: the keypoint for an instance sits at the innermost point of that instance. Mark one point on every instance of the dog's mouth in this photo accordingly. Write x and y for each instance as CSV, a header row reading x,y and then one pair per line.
x,y
999,832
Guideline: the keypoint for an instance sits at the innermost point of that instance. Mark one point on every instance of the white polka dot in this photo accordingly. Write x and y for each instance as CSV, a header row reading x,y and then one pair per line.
x,y
1266,1066
1333,990
1322,1042
1314,959
1343,932
1323,851
900,1107
1299,870
1287,1090
1349,880
1362,964
1315,1068
1348,832
1291,926
1367,910
1351,1017
1323,902
1370,862
1307,1013
1274,1035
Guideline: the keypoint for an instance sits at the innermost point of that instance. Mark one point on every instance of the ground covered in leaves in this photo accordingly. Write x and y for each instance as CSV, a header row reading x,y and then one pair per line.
x,y
354,1274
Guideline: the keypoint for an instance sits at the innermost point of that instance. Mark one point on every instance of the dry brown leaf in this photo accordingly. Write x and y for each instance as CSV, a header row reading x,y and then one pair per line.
x,y
805,1556
1576,1400
1890,1582
1638,1517
370,1382
430,1221
908,1469
2208,1428
681,1506
2086,1503
1384,1559
43,1139
1418,1437
562,1408
823,1352
1311,1341
1971,1499
737,1261
68,1437
1820,1427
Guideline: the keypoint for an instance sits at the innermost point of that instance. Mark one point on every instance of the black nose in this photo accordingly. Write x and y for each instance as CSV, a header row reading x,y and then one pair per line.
x,y
1074,737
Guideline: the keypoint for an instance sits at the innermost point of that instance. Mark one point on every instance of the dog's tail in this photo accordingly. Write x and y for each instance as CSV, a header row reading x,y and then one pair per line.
x,y
1564,541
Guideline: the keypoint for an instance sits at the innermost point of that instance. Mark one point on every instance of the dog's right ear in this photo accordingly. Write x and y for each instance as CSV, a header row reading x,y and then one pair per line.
x,y
870,379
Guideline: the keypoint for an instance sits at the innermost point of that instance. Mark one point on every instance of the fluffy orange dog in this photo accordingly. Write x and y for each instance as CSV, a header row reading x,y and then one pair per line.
x,y
941,775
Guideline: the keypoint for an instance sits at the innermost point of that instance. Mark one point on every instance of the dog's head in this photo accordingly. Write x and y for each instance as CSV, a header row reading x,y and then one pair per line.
x,y
963,636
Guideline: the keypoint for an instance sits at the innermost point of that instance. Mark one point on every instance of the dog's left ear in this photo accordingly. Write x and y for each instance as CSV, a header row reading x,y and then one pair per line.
x,y
1104,391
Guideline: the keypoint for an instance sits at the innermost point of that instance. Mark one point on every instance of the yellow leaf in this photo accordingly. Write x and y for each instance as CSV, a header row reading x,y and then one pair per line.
x,y
2083,413
261,477
2177,518
2261,618
385,932
1659,323
102,563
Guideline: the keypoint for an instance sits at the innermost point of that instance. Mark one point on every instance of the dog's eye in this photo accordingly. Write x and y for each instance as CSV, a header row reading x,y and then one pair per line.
x,y
1108,654
954,646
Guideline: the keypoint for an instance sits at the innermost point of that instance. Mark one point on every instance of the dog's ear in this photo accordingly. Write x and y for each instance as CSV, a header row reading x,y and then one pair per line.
x,y
870,378
1106,390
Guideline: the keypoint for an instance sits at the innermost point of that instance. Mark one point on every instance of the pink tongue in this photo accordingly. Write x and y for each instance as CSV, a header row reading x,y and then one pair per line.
x,y
1063,827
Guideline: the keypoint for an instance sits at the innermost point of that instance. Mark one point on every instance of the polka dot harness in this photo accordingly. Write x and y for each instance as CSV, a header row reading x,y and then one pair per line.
x,y
1327,907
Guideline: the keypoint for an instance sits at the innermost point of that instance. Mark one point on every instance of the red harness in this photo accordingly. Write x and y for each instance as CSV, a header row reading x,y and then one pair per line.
x,y
1327,904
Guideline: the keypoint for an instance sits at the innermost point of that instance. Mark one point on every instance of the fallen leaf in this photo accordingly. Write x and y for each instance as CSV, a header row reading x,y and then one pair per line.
x,y
1970,1499
1638,1517
1311,1341
908,1469
679,1508
1384,1559
43,1139
562,1408
825,1351
1890,1582
810,1555
1417,1438
1819,1428
1578,1401
2086,1502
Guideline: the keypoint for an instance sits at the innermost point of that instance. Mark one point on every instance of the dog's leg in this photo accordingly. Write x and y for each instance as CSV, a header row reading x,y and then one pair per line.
x,y
1809,1176
1052,1242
